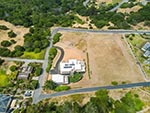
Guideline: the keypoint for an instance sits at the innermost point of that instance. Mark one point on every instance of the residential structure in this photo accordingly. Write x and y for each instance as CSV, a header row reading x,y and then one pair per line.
x,y
73,65
60,79
5,102
146,49
146,46
25,72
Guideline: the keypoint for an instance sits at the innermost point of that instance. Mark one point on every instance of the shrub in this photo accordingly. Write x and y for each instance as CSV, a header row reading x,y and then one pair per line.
x,y
37,50
5,43
13,41
49,84
13,68
56,38
3,27
1,61
33,84
11,34
114,83
75,78
48,67
38,71
62,88
4,52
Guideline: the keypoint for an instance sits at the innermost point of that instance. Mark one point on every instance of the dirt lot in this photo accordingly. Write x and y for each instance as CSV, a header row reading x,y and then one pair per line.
x,y
109,59
19,30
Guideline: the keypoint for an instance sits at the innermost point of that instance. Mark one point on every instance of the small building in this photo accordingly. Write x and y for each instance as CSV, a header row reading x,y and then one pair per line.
x,y
5,101
72,66
146,47
60,79
146,54
25,72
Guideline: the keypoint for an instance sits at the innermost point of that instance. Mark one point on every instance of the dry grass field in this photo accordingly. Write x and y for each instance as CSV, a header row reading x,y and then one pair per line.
x,y
109,58
19,30
82,99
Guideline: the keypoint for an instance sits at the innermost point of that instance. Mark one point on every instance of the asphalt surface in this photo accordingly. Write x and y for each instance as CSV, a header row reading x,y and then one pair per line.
x,y
22,60
56,69
84,90
119,31
38,92
118,6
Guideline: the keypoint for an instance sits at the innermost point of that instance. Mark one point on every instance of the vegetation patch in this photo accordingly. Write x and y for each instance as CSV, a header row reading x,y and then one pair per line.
x,y
33,55
3,78
62,88
56,38
75,77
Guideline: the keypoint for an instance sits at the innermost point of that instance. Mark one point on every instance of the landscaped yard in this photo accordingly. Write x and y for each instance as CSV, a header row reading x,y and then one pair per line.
x,y
136,42
33,55
3,78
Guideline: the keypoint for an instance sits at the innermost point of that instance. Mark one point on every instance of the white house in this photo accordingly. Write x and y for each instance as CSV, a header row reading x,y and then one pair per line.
x,y
60,79
72,66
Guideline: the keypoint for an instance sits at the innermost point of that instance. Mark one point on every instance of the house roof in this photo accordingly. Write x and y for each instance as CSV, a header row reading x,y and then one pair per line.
x,y
147,54
71,65
146,46
4,102
60,79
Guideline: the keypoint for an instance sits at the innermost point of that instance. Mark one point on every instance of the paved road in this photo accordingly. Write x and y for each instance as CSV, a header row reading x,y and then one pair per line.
x,y
22,60
120,31
118,6
42,77
86,2
84,90
56,69
38,92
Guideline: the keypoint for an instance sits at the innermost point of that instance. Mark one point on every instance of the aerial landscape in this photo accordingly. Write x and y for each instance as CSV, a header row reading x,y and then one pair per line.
x,y
74,56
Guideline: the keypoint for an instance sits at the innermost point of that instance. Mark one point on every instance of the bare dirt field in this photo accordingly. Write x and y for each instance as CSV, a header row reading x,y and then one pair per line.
x,y
19,30
109,58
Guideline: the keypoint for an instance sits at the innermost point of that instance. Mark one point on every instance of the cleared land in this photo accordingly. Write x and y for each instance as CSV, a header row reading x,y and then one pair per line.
x,y
109,58
19,30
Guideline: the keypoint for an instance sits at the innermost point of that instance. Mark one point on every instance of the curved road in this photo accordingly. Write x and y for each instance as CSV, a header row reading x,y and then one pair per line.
x,y
38,92
56,69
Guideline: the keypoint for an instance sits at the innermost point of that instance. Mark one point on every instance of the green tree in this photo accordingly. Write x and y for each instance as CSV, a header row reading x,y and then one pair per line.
x,y
5,43
1,61
56,38
49,84
3,27
13,68
11,34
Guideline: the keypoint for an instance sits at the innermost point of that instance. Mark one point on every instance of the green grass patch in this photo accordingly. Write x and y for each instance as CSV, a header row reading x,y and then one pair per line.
x,y
116,1
33,55
62,88
3,78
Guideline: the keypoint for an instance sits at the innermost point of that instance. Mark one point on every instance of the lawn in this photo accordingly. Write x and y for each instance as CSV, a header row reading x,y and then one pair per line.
x,y
3,78
33,55
136,42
